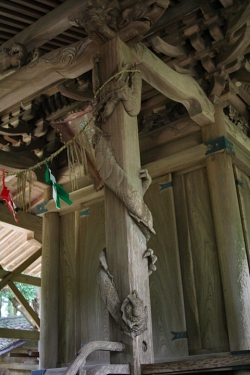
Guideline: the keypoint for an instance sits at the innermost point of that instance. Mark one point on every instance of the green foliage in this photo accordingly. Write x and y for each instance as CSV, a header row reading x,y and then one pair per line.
x,y
28,291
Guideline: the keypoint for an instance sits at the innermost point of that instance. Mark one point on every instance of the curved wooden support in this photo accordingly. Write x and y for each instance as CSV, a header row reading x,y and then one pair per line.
x,y
76,94
237,48
108,369
160,45
238,20
179,87
87,349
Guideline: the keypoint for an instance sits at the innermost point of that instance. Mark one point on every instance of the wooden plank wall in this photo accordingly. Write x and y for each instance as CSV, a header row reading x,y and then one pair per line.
x,y
94,316
205,312
166,293
243,191
186,291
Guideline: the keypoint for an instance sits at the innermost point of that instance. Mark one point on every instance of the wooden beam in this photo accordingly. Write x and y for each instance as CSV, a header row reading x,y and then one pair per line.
x,y
51,69
20,268
198,363
176,162
24,279
174,85
25,304
174,14
19,334
25,220
48,26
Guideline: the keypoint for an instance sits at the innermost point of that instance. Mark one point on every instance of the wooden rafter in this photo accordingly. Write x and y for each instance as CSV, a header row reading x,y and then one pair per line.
x,y
9,276
20,278
24,303
19,334
53,23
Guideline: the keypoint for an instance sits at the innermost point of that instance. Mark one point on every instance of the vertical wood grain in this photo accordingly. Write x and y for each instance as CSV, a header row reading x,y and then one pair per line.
x,y
210,301
231,249
125,243
243,190
166,293
94,315
187,265
67,295
49,291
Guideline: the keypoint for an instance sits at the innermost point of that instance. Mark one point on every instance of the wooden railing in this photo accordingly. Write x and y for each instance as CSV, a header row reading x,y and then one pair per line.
x,y
87,349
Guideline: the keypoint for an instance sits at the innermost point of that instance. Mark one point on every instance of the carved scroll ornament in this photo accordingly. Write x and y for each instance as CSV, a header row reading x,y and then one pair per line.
x,y
131,315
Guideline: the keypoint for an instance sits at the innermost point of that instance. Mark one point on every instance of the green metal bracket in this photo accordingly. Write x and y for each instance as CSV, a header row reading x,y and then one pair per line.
x,y
219,144
165,185
40,208
85,212
239,183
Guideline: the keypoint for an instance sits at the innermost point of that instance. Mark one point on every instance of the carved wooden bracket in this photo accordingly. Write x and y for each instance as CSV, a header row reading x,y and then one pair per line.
x,y
130,19
179,87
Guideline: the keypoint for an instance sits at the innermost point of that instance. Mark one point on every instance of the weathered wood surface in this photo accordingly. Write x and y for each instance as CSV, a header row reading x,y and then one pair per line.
x,y
212,319
50,25
177,162
52,68
243,190
22,267
19,367
218,362
19,334
237,136
67,291
162,151
174,85
94,321
168,133
25,220
87,349
175,14
230,242
168,315
108,369
231,249
77,197
217,128
50,291
21,278
187,264
125,242
160,46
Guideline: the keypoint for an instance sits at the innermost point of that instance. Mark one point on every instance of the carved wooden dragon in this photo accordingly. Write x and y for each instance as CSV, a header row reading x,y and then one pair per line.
x,y
131,315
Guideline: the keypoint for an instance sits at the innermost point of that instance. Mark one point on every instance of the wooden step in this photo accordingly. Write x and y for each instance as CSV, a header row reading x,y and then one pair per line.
x,y
204,363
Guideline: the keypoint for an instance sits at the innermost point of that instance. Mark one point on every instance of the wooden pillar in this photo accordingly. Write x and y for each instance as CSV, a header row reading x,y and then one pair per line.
x,y
49,292
230,240
69,225
125,243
